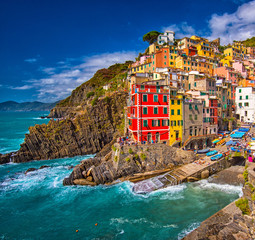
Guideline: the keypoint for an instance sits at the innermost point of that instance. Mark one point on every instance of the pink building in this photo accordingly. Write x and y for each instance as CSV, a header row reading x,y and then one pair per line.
x,y
239,67
227,72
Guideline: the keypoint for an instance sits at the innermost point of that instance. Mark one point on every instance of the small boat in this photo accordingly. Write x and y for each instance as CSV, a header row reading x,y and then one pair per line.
x,y
211,153
217,157
203,151
234,149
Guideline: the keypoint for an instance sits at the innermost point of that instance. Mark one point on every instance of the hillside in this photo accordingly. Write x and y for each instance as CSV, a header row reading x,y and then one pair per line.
x,y
250,42
25,106
90,119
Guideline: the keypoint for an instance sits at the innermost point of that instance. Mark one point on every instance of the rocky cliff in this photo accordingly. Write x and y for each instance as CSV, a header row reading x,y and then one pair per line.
x,y
86,122
125,161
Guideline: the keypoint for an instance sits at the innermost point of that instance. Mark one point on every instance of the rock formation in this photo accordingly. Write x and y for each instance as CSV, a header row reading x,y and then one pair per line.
x,y
125,161
86,121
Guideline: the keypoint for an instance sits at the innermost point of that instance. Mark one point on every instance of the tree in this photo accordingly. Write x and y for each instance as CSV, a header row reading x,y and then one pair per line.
x,y
151,37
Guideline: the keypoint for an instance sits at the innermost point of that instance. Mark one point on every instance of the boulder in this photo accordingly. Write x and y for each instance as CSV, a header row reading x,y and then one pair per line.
x,y
205,174
30,170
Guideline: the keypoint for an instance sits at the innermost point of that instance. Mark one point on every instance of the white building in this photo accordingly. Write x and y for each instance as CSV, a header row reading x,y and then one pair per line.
x,y
245,104
167,37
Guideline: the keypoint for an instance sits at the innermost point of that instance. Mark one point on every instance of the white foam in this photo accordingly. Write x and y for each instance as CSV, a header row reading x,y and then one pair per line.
x,y
204,184
188,230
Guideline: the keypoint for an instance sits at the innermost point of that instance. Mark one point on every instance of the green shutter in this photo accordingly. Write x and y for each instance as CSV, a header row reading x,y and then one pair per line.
x,y
165,110
159,123
178,102
178,112
153,123
172,112
155,98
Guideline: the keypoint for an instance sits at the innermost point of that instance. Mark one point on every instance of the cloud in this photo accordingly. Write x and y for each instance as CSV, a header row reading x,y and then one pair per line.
x,y
24,87
31,60
58,82
181,30
239,25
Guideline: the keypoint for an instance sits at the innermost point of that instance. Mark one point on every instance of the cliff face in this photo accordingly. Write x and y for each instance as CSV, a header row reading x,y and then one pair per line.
x,y
87,122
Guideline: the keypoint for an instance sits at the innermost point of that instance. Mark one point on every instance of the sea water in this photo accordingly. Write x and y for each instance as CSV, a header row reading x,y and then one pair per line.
x,y
36,205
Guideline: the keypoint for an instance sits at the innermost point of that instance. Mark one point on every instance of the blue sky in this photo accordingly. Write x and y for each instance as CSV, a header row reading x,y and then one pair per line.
x,y
49,47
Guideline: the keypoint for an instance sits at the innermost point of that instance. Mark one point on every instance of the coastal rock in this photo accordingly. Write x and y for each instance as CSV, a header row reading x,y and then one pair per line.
x,y
145,158
30,170
44,166
205,174
85,122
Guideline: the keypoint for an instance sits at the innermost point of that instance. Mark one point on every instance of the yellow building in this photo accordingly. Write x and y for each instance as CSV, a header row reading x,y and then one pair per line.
x,y
226,62
204,49
173,53
176,117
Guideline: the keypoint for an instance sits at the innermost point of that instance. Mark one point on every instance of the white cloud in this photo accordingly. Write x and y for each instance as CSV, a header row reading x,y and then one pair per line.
x,y
31,60
59,82
24,87
181,30
239,25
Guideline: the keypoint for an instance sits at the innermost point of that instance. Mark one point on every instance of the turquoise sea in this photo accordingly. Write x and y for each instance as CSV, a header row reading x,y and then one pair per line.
x,y
37,206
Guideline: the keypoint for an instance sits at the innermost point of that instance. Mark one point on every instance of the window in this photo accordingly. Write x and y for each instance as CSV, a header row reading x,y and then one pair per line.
x,y
190,117
145,110
240,90
179,122
130,122
178,112
247,96
155,98
246,104
196,107
165,110
158,123
142,87
240,98
195,84
155,110
190,131
172,112
172,102
189,86
174,123
178,102
245,113
164,98
195,117
145,123
145,98
223,98
207,110
190,106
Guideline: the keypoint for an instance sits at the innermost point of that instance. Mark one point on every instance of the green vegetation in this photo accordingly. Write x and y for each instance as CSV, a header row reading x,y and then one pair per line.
x,y
250,186
90,94
243,205
136,156
245,175
253,197
94,101
121,152
151,37
127,159
114,148
116,159
130,151
143,156
250,42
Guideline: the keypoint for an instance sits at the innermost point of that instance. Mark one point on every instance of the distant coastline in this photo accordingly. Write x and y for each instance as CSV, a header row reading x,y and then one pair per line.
x,y
12,106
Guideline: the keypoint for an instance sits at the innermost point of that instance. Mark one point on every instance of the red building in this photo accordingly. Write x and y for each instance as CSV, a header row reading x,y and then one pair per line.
x,y
213,105
148,113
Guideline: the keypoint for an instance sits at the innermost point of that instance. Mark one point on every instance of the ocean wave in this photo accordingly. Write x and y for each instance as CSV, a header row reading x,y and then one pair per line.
x,y
204,184
188,230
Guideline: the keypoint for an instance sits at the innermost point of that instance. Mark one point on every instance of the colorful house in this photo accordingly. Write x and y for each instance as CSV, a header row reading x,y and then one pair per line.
x,y
148,112
176,117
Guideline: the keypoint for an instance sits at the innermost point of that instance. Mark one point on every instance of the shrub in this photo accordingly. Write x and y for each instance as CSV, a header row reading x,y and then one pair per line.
x,y
114,148
130,151
136,156
246,166
94,101
143,156
90,94
253,197
121,152
245,175
127,159
251,186
243,205
115,158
